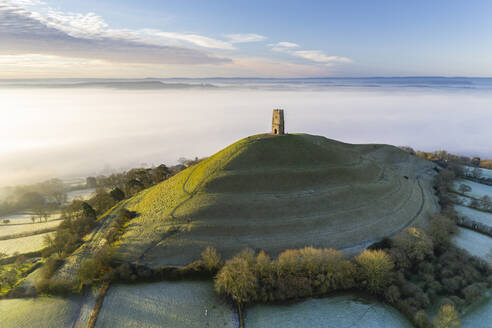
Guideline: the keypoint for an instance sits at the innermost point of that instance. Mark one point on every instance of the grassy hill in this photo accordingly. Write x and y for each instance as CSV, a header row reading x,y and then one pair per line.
x,y
277,192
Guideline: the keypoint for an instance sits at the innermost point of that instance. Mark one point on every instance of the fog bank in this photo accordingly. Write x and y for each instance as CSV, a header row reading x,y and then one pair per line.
x,y
53,132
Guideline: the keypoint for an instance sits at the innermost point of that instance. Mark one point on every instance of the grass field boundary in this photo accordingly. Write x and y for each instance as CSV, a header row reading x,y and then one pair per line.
x,y
98,305
27,234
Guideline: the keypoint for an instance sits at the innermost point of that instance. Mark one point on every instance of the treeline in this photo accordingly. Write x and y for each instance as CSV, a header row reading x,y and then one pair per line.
x,y
132,181
443,157
412,271
46,195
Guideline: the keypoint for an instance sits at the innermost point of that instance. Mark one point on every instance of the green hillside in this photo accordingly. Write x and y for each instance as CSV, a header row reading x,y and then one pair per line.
x,y
278,192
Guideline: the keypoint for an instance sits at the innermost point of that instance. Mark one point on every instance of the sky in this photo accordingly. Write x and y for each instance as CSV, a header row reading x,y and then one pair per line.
x,y
150,38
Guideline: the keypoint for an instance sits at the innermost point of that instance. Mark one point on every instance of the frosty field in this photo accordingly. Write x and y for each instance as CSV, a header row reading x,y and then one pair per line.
x,y
39,312
23,245
479,317
8,230
475,243
82,194
333,312
486,173
478,190
479,216
165,304
24,218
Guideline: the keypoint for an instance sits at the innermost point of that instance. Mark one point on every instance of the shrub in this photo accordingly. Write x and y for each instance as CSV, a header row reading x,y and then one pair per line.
x,y
441,228
447,317
210,259
375,270
415,243
117,194
237,280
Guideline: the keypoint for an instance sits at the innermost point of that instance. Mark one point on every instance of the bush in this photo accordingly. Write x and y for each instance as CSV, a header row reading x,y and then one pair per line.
x,y
441,227
210,259
415,243
447,317
237,280
294,274
375,270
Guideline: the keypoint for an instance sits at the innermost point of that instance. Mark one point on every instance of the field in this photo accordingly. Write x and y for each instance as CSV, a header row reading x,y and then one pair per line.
x,y
334,312
39,312
29,228
479,216
478,190
24,218
165,304
275,193
479,317
82,194
23,245
475,243
486,173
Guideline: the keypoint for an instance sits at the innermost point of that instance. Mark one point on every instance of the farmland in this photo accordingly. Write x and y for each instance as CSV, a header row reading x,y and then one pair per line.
x,y
475,243
478,190
485,173
39,312
24,244
480,316
476,215
28,228
334,312
25,218
82,194
165,304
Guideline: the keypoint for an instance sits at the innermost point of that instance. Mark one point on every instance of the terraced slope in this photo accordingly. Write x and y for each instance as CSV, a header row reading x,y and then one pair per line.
x,y
277,192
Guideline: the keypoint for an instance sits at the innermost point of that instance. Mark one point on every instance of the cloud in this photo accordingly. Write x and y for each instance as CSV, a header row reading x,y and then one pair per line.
x,y
87,36
27,3
245,38
317,56
195,39
285,44
320,57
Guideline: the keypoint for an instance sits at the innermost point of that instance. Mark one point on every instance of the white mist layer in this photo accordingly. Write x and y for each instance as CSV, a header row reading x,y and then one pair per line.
x,y
48,133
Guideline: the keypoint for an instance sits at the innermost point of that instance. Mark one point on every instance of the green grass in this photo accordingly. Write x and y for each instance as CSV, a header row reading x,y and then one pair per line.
x,y
165,304
275,193
21,270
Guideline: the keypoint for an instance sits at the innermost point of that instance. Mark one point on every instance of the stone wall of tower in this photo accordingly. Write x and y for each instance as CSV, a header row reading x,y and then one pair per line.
x,y
278,126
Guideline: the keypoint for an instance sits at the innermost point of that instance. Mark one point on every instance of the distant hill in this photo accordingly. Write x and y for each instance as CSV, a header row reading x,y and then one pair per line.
x,y
278,192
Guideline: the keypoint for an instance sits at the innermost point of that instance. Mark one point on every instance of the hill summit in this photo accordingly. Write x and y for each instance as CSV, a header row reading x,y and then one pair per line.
x,y
277,192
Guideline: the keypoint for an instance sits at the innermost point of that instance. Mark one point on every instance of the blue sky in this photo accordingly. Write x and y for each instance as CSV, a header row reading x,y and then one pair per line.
x,y
109,38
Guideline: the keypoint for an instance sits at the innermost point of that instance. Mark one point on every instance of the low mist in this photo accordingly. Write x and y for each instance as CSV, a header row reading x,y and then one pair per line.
x,y
46,133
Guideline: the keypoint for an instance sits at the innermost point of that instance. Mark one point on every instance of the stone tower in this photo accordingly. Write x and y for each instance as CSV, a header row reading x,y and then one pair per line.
x,y
278,122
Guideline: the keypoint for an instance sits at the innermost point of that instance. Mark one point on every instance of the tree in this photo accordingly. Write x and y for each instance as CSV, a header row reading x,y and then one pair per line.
x,y
88,271
210,259
237,280
375,270
415,243
463,188
440,228
160,173
117,194
447,317
91,182
476,173
31,200
486,203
